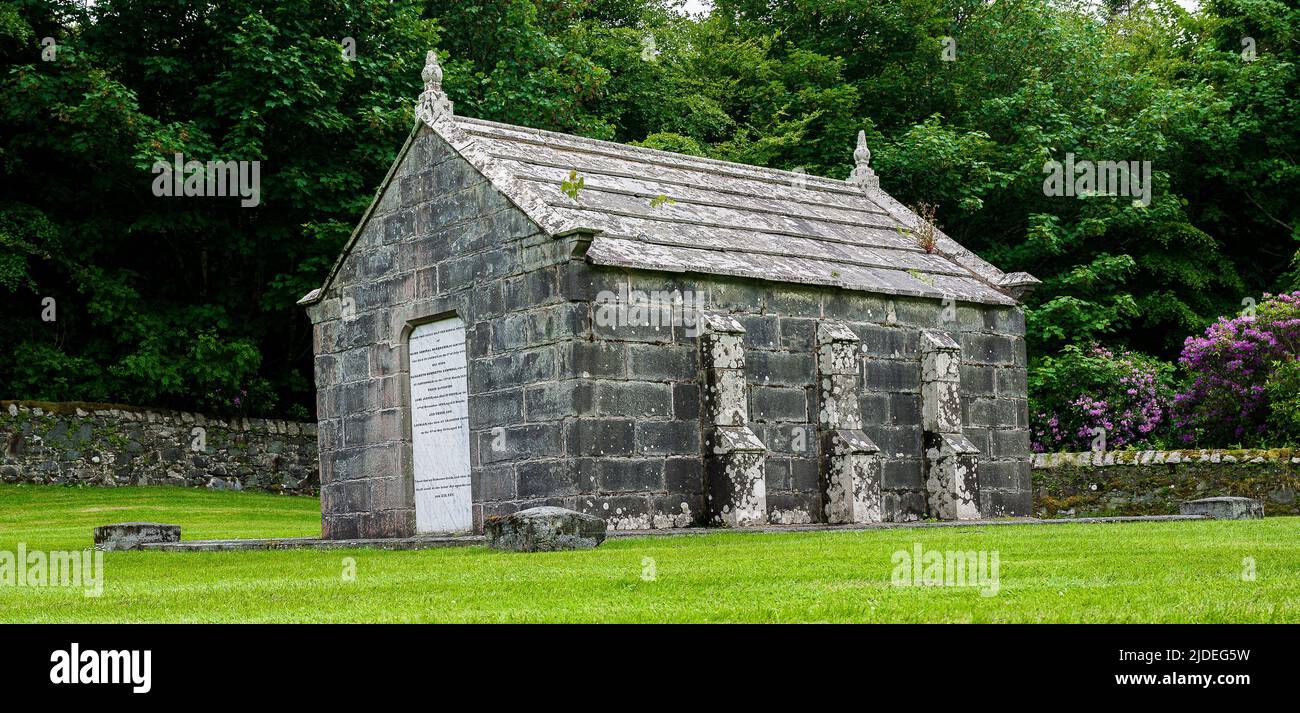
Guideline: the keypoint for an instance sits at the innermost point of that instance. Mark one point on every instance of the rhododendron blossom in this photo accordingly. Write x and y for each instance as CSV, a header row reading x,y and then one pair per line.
x,y
1124,395
1225,400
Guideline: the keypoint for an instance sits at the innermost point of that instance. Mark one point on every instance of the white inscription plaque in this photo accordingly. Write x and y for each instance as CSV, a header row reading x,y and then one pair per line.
x,y
440,427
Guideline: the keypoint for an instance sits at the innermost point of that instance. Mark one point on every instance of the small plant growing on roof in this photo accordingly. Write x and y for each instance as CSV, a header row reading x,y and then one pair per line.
x,y
926,235
573,184
661,199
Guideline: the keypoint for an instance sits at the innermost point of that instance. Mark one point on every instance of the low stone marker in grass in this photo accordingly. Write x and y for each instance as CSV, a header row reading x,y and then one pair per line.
x,y
1224,508
130,535
544,529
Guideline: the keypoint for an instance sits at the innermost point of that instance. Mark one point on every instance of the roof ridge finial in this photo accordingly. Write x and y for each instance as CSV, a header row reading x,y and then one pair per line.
x,y
863,176
433,102
862,154
432,72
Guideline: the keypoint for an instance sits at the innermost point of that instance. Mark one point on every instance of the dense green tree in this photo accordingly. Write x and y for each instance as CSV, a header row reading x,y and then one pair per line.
x,y
191,303
1025,81
186,302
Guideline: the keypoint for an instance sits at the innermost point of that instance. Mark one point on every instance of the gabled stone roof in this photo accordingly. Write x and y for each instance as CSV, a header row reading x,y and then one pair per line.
x,y
656,210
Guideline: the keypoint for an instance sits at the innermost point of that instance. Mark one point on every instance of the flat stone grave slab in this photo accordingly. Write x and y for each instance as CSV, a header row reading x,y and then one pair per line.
x,y
1224,508
544,529
131,535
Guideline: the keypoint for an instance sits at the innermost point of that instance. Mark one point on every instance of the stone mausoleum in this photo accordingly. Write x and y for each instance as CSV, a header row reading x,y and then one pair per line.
x,y
530,318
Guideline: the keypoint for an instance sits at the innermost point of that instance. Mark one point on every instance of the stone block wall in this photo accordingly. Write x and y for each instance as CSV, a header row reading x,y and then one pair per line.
x,y
626,414
1154,482
108,445
656,369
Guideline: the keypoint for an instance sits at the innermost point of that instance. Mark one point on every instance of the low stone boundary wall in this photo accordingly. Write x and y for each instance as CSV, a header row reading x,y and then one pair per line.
x,y
1154,482
109,445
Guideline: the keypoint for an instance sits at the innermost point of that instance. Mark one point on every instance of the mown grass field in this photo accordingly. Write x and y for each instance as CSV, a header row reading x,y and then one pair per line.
x,y
1143,572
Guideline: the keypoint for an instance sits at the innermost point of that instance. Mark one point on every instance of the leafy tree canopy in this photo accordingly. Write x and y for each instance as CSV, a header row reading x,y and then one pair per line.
x,y
190,303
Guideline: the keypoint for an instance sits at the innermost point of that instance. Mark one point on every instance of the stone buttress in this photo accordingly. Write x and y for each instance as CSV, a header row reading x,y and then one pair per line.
x,y
734,456
849,461
951,479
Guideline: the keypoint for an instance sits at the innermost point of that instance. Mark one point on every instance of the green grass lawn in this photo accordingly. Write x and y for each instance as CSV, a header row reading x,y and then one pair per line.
x,y
1175,571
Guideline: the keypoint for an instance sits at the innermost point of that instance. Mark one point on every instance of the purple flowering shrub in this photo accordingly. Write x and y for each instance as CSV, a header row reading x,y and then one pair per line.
x,y
1226,400
1083,390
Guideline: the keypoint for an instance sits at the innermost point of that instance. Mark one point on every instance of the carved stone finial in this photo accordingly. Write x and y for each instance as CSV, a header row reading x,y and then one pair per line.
x,y
863,176
432,72
433,102
862,154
